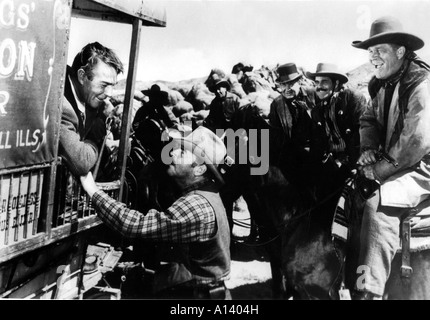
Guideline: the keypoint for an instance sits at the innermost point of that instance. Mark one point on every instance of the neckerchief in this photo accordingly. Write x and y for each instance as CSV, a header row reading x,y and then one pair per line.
x,y
393,79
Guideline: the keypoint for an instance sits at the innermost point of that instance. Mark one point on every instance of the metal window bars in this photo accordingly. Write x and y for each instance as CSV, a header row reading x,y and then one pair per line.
x,y
72,202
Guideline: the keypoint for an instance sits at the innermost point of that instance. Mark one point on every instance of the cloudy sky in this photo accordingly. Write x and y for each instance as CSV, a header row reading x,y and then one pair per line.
x,y
204,34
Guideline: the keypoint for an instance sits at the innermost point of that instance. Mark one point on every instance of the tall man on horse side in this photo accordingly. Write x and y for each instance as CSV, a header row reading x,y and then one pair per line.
x,y
396,122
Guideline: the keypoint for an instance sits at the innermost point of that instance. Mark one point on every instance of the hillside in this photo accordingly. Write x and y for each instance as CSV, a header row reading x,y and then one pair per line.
x,y
358,78
181,86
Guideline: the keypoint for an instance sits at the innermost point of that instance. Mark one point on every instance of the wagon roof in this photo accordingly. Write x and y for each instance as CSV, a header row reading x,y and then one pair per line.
x,y
123,11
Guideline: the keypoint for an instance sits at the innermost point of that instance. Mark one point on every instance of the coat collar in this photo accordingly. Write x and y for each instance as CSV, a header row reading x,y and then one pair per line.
x,y
415,72
414,75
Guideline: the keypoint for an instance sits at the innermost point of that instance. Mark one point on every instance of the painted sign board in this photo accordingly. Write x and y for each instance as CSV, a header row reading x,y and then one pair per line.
x,y
33,52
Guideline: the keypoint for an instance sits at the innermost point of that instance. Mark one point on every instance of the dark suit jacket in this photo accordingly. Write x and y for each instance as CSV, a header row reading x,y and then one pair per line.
x,y
303,134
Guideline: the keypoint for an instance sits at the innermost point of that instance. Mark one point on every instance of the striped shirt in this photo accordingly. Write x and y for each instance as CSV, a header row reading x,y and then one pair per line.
x,y
191,218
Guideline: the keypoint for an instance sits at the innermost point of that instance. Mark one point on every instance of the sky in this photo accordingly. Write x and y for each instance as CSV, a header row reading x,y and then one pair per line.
x,y
205,34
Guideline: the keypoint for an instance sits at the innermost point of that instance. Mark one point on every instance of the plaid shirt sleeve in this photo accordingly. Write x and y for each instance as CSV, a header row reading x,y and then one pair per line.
x,y
191,218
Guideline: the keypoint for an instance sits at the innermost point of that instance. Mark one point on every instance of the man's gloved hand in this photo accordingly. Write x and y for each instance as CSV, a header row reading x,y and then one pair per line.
x,y
367,157
367,171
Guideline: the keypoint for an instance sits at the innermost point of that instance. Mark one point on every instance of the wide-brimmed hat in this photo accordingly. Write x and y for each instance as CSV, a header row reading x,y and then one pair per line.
x,y
287,73
217,81
208,147
221,83
155,93
328,70
241,66
389,30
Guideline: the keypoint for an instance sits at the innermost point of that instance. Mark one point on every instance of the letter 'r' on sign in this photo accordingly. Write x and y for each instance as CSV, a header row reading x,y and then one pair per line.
x,y
4,99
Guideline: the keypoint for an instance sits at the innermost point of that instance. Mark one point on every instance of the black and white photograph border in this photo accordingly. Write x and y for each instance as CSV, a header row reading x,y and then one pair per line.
x,y
201,36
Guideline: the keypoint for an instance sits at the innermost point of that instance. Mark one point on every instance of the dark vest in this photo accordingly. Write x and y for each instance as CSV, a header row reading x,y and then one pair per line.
x,y
210,260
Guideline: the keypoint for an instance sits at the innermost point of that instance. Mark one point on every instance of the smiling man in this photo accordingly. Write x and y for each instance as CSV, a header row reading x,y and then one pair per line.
x,y
89,85
398,123
337,114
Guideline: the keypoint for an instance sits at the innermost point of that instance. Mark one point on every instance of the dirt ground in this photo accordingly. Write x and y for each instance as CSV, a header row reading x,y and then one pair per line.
x,y
250,277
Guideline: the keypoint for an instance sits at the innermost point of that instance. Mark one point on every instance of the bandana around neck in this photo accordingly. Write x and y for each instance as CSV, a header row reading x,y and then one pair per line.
x,y
375,84
393,79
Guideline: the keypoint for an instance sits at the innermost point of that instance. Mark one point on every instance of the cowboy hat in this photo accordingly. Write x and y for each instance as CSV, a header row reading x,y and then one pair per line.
x,y
241,66
389,30
217,82
287,73
208,148
215,78
328,70
155,93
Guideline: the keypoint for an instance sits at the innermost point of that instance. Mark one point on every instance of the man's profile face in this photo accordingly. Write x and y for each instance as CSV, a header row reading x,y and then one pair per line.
x,y
384,58
324,87
95,91
182,163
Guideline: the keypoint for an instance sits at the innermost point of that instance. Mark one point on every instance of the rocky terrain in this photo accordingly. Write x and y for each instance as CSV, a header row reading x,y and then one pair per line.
x,y
250,276
358,78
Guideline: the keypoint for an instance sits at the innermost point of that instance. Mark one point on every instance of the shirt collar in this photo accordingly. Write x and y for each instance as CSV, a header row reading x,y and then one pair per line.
x,y
80,105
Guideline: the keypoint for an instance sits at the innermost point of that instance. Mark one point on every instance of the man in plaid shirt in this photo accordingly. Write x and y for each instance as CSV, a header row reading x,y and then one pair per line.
x,y
196,222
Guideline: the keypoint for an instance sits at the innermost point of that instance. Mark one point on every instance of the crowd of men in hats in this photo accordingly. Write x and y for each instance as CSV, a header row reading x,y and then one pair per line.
x,y
327,127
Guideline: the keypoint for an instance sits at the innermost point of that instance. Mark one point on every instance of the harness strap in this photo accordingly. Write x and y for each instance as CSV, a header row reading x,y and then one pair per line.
x,y
406,230
405,234
344,293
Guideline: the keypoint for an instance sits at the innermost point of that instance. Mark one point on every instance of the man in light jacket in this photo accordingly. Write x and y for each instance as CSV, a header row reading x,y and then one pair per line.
x,y
398,123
